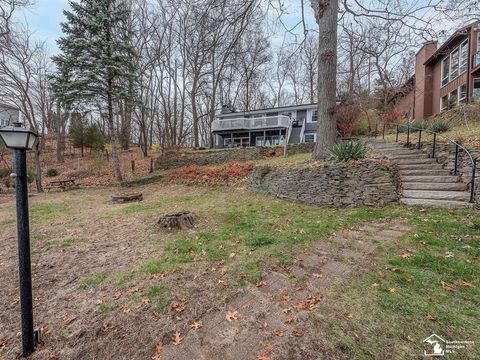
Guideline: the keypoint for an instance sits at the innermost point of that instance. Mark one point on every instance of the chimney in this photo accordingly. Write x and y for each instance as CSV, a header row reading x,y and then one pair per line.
x,y
226,109
424,81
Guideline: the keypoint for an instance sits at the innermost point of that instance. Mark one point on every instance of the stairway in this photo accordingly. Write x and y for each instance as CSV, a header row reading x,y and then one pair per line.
x,y
424,182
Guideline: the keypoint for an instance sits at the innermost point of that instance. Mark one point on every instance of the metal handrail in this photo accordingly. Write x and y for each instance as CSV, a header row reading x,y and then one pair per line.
x,y
473,160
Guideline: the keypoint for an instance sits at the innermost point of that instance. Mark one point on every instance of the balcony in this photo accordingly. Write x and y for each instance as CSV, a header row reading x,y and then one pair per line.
x,y
269,122
476,60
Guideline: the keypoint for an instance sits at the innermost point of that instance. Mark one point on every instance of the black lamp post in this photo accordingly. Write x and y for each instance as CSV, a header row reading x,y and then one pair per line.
x,y
20,140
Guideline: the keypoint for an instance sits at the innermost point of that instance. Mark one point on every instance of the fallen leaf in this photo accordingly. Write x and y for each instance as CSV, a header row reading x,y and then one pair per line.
x,y
197,325
269,348
393,290
448,255
247,306
260,284
177,338
232,255
309,304
446,286
381,274
315,275
158,350
405,254
179,306
231,315
278,332
263,357
146,301
297,332
466,284
69,319
117,295
288,320
430,316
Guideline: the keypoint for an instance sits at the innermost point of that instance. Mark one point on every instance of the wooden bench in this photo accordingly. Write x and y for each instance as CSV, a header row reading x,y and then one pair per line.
x,y
62,184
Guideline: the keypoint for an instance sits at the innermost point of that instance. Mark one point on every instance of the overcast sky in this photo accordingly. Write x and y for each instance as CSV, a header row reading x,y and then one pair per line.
x,y
44,17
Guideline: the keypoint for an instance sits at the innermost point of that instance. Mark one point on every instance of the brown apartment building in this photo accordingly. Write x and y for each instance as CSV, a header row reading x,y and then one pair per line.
x,y
445,76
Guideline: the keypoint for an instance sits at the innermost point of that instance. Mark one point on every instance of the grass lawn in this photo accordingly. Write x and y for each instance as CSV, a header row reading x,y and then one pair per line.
x,y
109,283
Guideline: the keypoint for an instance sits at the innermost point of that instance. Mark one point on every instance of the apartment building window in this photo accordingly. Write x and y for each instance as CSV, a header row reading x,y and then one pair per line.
x,y
454,65
462,91
463,57
444,103
476,89
445,70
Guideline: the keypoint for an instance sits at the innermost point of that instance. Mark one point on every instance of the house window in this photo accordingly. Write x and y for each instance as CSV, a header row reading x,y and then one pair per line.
x,y
476,89
463,57
310,137
462,91
444,103
445,70
453,101
314,116
454,65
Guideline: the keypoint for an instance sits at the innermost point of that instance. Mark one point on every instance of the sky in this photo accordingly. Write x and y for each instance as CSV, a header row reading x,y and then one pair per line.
x,y
45,16
44,19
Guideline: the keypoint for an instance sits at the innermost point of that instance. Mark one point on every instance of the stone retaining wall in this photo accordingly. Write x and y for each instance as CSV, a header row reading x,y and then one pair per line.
x,y
175,159
366,183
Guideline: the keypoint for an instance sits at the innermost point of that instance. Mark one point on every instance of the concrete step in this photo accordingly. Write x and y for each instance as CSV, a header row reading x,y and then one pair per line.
x,y
415,160
437,195
430,179
453,186
397,152
414,166
443,204
425,172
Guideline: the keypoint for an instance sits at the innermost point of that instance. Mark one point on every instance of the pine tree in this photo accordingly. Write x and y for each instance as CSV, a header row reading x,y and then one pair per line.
x,y
96,60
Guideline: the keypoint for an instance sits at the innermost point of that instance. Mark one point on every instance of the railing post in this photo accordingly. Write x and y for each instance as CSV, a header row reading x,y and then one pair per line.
x,y
419,139
396,138
456,160
408,135
383,131
472,183
434,143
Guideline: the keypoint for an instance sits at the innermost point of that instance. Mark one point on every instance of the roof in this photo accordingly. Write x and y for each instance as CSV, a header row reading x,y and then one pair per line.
x,y
454,37
274,109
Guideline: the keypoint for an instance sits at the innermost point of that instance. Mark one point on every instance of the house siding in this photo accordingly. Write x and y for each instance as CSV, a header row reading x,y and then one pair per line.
x,y
425,97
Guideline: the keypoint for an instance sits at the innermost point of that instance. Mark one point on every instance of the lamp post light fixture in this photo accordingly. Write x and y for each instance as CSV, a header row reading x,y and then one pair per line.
x,y
19,139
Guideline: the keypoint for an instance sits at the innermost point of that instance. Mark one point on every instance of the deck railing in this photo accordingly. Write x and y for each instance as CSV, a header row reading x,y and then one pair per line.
x,y
473,160
251,123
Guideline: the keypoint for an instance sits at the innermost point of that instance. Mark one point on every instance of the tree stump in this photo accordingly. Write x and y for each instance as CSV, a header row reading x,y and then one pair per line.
x,y
182,220
121,198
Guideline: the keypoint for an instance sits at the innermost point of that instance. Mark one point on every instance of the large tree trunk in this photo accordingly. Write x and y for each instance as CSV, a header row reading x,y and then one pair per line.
x,y
59,135
326,13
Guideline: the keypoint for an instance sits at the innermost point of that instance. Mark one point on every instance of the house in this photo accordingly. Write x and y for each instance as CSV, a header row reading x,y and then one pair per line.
x,y
265,127
8,115
445,76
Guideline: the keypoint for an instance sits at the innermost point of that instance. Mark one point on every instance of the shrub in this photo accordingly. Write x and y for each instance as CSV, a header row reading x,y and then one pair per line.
x,y
211,175
348,150
422,125
392,117
30,176
5,172
440,126
347,118
52,172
